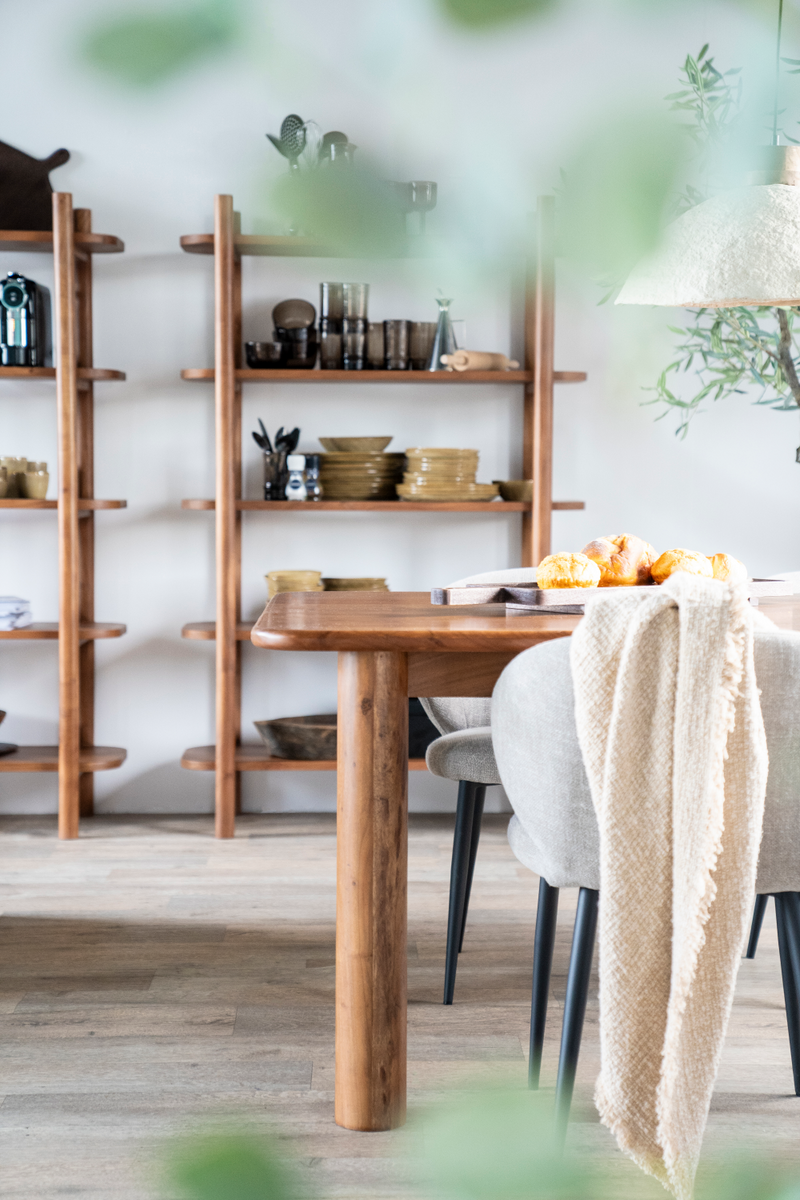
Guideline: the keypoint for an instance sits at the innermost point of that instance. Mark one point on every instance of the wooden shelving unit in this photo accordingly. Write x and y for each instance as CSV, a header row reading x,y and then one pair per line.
x,y
72,244
227,245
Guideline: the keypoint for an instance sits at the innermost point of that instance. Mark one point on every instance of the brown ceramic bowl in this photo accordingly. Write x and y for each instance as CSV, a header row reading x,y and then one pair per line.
x,y
354,444
516,489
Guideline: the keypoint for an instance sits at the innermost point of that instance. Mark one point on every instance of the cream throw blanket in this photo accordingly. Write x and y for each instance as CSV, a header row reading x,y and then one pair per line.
x,y
673,742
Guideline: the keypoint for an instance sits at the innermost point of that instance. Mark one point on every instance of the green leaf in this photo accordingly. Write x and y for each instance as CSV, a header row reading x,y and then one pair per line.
x,y
142,50
482,14
222,1167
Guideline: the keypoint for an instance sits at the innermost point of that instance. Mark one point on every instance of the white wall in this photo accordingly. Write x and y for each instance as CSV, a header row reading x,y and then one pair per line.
x,y
489,118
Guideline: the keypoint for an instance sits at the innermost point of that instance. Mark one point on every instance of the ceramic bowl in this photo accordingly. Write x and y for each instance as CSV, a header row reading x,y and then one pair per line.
x,y
294,314
350,444
516,489
306,738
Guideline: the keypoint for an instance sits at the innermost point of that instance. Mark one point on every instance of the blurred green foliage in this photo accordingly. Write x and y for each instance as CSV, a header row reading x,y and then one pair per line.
x,y
500,1145
617,189
350,210
230,1167
483,13
146,48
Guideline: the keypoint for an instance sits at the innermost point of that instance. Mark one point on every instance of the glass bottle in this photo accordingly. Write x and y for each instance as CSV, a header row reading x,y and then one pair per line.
x,y
313,485
444,341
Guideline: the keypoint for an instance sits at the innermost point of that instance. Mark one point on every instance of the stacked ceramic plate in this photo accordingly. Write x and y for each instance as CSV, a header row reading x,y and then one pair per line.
x,y
436,473
360,475
355,584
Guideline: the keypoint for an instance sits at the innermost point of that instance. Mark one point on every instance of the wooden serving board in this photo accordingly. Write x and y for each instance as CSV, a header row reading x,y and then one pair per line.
x,y
523,597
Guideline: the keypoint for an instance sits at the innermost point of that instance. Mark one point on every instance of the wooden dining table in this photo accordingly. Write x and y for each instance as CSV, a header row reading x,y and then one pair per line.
x,y
392,645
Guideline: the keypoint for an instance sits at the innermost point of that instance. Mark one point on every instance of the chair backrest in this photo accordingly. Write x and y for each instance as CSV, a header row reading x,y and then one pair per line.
x,y
554,829
450,713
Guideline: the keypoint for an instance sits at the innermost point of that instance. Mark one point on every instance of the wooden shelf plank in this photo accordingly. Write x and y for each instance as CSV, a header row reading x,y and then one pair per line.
x,y
83,505
29,241
283,375
397,506
269,245
88,374
45,758
254,758
48,630
206,631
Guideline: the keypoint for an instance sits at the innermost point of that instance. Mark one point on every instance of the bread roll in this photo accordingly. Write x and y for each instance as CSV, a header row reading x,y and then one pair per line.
x,y
681,560
728,569
624,560
565,570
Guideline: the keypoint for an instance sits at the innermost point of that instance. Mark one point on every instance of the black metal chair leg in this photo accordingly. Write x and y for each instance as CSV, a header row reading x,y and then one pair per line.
x,y
580,967
459,872
477,817
543,943
787,911
759,908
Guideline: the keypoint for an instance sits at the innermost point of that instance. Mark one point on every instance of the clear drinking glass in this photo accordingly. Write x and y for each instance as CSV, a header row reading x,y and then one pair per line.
x,y
354,300
330,301
395,335
354,343
422,195
375,343
421,344
330,345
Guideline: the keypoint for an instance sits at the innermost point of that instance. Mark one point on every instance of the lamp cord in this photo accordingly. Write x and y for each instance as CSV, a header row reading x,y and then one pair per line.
x,y
777,73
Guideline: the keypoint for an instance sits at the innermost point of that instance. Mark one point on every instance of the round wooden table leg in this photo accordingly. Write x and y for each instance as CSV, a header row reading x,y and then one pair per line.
x,y
371,901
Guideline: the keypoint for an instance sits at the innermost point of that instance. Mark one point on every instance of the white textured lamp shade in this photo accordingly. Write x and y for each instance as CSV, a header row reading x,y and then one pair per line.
x,y
741,247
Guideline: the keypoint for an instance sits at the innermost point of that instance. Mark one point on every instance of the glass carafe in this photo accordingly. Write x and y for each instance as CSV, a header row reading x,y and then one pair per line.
x,y
444,341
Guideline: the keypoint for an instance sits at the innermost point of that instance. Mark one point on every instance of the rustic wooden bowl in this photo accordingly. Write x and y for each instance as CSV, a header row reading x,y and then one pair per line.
x,y
307,738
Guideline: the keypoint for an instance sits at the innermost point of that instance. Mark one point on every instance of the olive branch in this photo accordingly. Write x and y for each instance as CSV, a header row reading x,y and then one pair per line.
x,y
730,349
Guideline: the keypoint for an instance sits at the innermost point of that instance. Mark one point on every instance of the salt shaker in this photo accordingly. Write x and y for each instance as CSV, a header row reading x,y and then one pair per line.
x,y
296,487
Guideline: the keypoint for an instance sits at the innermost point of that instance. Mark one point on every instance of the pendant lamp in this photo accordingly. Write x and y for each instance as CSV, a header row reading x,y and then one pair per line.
x,y
741,247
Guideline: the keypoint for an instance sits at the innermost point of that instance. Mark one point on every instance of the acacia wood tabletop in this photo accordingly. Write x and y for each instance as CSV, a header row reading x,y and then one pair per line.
x,y
408,621
397,621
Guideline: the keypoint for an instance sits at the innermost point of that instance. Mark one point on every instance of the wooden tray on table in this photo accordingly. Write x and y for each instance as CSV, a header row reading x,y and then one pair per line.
x,y
527,597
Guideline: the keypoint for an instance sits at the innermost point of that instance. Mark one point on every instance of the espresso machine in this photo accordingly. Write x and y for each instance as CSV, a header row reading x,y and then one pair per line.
x,y
24,323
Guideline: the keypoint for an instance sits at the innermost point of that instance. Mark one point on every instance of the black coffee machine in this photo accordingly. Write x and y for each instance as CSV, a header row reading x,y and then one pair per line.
x,y
24,323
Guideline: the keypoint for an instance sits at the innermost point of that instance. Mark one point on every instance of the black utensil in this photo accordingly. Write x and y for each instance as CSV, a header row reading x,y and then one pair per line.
x,y
292,140
268,446
259,441
292,440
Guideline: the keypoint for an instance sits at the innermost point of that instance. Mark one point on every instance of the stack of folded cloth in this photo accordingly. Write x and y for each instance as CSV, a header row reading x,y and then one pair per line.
x,y
360,475
14,613
436,473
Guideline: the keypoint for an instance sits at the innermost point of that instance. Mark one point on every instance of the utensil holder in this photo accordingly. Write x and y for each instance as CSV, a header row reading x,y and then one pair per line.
x,y
276,474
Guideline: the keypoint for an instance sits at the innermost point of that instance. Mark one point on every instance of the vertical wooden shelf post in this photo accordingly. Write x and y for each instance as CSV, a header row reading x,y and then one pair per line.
x,y
538,403
227,397
83,224
68,548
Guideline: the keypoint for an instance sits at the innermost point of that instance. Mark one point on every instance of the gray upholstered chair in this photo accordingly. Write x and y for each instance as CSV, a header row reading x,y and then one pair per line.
x,y
464,754
554,829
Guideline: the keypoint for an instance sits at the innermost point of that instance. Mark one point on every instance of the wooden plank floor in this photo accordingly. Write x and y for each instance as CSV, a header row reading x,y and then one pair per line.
x,y
152,978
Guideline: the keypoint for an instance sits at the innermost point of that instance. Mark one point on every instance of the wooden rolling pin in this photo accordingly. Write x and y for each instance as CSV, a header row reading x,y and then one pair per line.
x,y
479,360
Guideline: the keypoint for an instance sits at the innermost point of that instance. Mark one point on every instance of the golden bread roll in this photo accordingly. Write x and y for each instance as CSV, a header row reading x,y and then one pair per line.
x,y
681,560
728,569
565,570
624,560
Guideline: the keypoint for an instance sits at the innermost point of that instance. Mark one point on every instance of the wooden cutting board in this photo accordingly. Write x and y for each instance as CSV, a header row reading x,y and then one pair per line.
x,y
524,597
